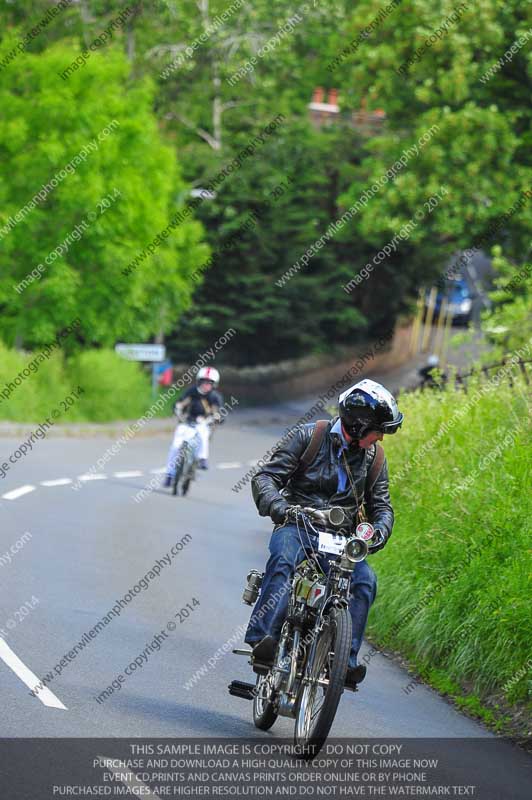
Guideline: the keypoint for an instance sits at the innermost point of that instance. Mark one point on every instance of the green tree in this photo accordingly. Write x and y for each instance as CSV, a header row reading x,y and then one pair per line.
x,y
264,217
120,195
481,152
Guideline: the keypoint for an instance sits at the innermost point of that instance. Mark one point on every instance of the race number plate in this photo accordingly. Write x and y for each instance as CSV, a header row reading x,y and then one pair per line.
x,y
331,543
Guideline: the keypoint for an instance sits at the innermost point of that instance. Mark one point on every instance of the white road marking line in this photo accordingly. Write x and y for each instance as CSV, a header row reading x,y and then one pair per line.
x,y
229,465
46,697
18,492
253,462
133,473
57,482
158,471
92,477
132,782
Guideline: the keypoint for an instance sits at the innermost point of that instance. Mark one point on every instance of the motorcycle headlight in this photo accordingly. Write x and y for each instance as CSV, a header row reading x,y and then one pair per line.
x,y
465,306
356,550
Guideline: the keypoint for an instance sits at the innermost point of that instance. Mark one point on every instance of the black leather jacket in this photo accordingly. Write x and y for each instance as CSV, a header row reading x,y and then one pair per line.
x,y
283,482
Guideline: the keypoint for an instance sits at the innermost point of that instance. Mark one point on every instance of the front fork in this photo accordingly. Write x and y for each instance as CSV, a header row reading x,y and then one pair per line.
x,y
285,671
282,661
293,663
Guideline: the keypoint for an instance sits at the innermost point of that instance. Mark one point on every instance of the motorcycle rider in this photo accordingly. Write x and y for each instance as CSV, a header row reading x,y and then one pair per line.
x,y
337,475
197,403
427,374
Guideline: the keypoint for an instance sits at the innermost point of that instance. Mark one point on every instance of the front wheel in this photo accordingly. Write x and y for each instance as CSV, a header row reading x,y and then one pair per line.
x,y
328,659
187,476
264,714
178,467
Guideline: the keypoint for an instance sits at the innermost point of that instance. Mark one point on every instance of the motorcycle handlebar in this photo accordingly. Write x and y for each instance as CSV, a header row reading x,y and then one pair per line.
x,y
182,418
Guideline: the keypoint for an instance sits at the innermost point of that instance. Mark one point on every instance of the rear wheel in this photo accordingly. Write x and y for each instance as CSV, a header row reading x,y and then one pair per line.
x,y
264,714
317,705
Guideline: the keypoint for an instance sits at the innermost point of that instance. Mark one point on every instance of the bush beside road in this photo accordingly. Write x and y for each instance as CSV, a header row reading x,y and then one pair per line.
x,y
114,389
454,582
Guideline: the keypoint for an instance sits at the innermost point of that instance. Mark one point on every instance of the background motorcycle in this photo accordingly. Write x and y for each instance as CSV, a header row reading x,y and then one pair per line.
x,y
187,444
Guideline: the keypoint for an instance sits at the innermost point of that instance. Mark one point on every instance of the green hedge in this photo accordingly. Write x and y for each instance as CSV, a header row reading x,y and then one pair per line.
x,y
454,581
114,389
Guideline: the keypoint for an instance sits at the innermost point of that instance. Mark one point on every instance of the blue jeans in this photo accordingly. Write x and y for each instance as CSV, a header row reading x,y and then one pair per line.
x,y
286,552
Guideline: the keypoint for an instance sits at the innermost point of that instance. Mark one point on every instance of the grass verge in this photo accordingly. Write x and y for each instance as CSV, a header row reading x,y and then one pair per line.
x,y
454,581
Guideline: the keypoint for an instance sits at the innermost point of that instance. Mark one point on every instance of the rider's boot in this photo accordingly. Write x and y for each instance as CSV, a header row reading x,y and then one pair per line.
x,y
202,463
355,675
167,481
264,651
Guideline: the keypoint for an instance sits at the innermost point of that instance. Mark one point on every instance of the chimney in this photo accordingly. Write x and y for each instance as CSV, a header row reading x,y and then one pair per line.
x,y
333,97
322,113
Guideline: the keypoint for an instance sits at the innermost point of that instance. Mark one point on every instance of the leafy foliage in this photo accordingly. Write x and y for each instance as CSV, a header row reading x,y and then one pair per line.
x,y
124,384
181,56
454,575
509,323
46,123
113,389
290,188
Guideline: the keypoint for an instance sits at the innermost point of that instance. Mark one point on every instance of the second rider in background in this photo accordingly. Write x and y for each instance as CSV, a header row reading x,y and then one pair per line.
x,y
198,403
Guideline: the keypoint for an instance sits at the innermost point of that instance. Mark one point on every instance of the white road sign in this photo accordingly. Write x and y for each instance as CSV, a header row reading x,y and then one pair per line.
x,y
141,352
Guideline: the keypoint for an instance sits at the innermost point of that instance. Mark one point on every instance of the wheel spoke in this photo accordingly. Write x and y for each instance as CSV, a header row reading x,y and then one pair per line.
x,y
320,706
326,661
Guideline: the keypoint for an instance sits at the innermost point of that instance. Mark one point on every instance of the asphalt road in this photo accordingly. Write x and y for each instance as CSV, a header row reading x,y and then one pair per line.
x,y
89,547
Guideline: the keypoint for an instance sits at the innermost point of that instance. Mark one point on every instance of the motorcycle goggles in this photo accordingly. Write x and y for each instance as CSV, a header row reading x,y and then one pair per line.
x,y
358,431
390,427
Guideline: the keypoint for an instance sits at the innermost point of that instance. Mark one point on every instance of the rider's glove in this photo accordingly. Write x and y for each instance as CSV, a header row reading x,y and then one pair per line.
x,y
292,513
377,542
278,511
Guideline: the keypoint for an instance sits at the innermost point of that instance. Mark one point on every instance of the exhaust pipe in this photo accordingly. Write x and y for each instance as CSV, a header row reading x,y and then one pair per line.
x,y
241,689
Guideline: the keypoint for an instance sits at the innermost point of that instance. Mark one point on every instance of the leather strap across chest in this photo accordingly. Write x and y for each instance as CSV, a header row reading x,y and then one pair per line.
x,y
318,435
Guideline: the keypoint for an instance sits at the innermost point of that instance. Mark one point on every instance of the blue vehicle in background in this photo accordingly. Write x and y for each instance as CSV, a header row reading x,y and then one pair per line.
x,y
459,297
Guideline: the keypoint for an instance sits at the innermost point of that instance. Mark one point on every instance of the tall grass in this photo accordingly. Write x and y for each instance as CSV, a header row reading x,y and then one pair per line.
x,y
454,580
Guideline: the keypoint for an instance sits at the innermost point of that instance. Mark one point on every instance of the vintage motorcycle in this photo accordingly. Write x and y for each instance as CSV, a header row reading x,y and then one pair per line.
x,y
307,678
187,445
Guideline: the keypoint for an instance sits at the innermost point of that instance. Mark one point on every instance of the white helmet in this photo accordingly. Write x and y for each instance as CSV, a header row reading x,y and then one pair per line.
x,y
433,360
208,374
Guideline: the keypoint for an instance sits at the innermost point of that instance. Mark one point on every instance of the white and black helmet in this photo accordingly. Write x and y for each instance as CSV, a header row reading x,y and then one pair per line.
x,y
208,374
368,406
